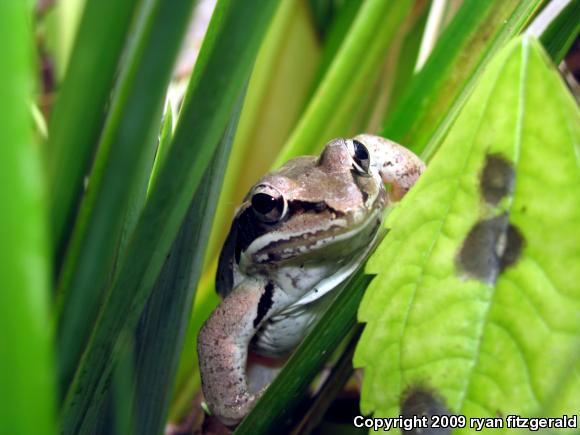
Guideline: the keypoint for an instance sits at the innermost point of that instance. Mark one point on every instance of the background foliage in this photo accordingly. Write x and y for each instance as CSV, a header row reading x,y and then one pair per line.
x,y
117,148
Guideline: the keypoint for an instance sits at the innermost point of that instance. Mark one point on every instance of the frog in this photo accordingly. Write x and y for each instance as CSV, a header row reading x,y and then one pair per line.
x,y
301,231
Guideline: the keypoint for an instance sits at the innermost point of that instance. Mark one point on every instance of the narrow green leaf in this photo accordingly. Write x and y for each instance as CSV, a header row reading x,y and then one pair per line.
x,y
288,54
188,380
562,31
332,386
407,58
338,29
394,74
161,331
68,16
221,71
282,397
436,93
322,13
165,138
477,298
354,70
79,112
28,398
125,149
122,390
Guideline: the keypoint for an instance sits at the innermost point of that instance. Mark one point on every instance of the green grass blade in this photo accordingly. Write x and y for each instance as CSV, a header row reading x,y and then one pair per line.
x,y
436,93
407,56
281,398
222,69
68,14
288,54
341,372
79,112
394,72
122,418
562,31
338,29
354,70
161,331
125,146
188,381
28,398
165,137
460,311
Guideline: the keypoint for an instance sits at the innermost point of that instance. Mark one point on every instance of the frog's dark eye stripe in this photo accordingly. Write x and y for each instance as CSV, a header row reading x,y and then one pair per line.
x,y
360,157
268,208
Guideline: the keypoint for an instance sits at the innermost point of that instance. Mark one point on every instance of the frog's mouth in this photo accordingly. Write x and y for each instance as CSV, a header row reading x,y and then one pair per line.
x,y
313,234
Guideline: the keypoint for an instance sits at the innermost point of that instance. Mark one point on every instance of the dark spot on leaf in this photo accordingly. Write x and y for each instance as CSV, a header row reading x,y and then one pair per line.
x,y
491,246
497,179
513,249
264,304
419,401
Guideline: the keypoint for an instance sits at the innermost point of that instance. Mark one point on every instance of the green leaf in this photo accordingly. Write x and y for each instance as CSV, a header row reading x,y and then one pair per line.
x,y
221,71
161,332
338,28
27,405
122,388
437,92
562,30
288,54
68,16
79,113
121,168
477,299
410,44
332,386
353,72
165,137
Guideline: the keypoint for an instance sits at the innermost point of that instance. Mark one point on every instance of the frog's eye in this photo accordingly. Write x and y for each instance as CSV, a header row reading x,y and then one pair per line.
x,y
360,156
269,205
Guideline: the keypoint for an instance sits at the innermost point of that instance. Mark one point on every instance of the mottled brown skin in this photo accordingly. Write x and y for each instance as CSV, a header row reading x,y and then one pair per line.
x,y
224,348
332,213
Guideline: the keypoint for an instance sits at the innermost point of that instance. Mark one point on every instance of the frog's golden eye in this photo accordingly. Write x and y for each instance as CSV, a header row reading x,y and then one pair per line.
x,y
360,156
268,204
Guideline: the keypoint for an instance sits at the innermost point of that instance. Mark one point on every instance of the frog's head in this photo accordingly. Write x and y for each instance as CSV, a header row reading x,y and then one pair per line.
x,y
316,207
310,204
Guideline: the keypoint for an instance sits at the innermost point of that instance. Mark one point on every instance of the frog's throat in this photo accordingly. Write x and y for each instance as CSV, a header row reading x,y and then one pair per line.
x,y
333,281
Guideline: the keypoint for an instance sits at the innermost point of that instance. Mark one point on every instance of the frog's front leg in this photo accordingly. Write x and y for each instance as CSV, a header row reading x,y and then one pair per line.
x,y
223,347
397,166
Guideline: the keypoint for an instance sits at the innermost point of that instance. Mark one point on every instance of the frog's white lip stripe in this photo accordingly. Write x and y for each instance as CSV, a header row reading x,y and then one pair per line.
x,y
270,239
275,237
